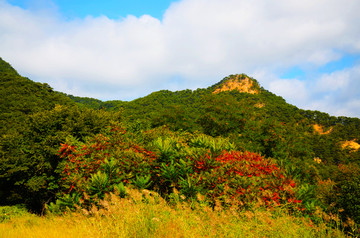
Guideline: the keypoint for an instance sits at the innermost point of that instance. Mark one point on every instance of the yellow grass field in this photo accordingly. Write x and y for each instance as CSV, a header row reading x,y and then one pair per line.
x,y
147,215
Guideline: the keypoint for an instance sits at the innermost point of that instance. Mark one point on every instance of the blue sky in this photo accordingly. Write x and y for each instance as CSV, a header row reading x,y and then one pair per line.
x,y
306,51
113,9
300,72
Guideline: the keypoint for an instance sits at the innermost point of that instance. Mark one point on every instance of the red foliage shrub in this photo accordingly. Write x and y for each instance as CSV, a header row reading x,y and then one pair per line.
x,y
82,163
244,178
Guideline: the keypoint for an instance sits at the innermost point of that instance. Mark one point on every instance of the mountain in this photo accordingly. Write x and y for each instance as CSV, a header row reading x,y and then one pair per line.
x,y
238,105
321,152
227,108
256,119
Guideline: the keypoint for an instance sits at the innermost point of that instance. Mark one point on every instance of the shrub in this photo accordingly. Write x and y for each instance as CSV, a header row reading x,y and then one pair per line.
x,y
200,165
244,179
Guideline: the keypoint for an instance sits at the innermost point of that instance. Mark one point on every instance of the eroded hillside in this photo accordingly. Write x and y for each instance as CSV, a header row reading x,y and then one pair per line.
x,y
239,82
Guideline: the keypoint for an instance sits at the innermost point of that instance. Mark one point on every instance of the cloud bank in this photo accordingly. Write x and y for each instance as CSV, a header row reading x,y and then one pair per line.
x,y
197,43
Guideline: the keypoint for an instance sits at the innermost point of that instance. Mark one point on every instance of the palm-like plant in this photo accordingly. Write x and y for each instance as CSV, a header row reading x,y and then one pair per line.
x,y
99,184
143,182
110,168
120,188
188,186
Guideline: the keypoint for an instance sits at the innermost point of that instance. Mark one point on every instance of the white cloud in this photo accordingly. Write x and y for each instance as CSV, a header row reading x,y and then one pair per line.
x,y
292,89
337,92
338,80
198,43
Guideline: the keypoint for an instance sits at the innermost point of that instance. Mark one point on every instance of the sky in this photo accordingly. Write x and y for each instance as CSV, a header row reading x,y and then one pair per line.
x,y
307,52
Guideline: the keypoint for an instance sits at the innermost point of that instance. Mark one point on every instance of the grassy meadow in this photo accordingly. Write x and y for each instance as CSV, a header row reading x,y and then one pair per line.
x,y
145,214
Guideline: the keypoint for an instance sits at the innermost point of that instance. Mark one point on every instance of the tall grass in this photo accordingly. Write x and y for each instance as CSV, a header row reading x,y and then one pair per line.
x,y
146,214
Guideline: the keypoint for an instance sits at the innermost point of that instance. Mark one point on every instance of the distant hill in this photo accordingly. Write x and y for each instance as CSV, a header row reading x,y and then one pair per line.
x,y
21,96
229,107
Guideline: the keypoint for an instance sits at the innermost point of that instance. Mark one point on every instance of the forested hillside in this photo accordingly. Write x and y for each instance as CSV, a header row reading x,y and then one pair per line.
x,y
34,121
233,143
20,97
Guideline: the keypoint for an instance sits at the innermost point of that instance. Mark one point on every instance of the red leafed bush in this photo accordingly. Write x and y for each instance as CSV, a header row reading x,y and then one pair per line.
x,y
241,178
82,163
244,178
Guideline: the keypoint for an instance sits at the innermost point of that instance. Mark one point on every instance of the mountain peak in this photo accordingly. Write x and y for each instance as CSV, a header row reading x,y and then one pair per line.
x,y
239,82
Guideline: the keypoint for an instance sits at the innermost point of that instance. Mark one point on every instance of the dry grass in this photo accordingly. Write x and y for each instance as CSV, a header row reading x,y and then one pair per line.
x,y
145,214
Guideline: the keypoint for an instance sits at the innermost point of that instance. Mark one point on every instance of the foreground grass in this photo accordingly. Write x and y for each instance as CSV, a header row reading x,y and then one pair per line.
x,y
147,215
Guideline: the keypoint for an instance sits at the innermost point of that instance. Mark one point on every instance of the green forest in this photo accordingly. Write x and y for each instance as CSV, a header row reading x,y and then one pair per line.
x,y
233,145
